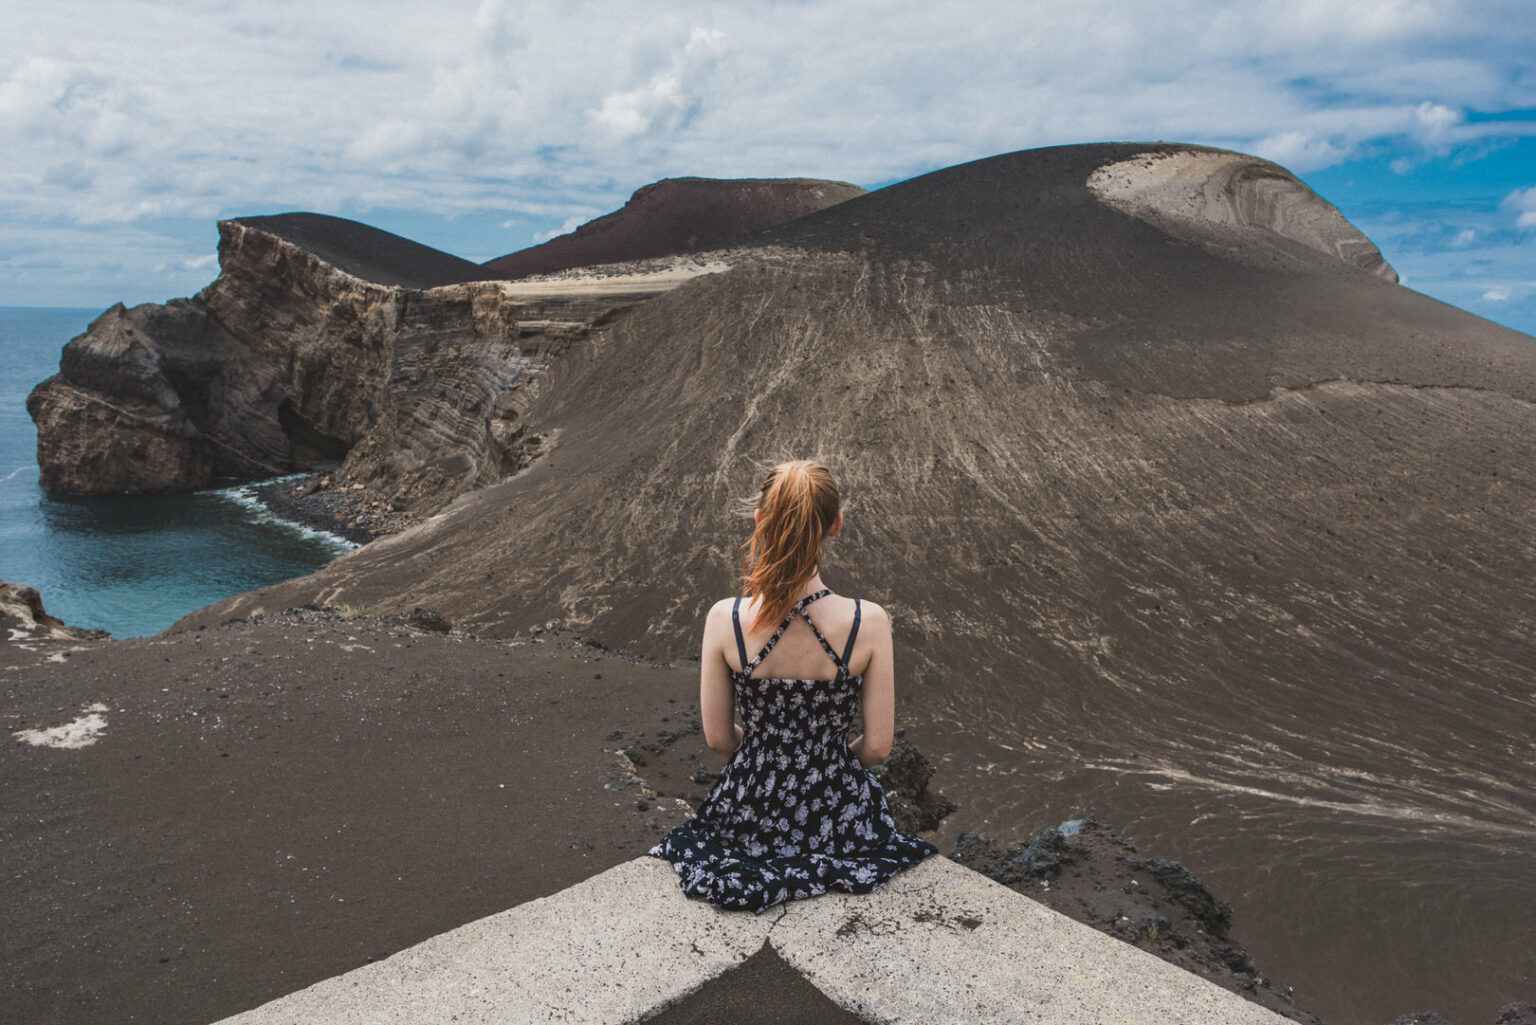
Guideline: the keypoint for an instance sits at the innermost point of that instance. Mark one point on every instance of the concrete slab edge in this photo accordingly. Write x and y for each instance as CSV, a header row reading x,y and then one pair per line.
x,y
938,944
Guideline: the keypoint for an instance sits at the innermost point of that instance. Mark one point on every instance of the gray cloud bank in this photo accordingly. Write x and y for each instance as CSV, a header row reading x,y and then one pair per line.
x,y
125,122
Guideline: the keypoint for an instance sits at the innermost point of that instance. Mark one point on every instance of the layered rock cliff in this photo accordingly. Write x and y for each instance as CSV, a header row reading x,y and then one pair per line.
x,y
325,344
292,361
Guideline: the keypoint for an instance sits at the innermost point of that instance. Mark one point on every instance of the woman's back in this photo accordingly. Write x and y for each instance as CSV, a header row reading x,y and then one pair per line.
x,y
814,712
795,810
798,655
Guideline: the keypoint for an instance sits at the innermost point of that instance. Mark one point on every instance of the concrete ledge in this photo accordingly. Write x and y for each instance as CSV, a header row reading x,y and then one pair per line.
x,y
940,944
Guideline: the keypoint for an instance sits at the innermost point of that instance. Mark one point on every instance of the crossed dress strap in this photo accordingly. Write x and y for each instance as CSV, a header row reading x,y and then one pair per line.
x,y
800,610
741,643
853,635
841,663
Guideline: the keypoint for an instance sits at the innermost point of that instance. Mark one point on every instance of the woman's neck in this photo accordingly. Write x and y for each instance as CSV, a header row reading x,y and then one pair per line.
x,y
812,586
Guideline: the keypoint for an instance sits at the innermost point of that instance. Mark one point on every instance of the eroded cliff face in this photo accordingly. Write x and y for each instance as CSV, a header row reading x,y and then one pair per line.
x,y
286,363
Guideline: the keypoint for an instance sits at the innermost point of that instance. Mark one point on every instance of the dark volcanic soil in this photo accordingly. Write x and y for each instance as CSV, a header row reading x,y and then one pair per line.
x,y
370,253
1194,522
1185,513
678,215
276,802
1087,871
273,802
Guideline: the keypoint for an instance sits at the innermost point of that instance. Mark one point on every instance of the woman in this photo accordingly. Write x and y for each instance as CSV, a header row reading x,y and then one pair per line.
x,y
796,811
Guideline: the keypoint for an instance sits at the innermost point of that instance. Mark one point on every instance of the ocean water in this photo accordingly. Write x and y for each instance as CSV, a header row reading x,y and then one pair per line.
x,y
128,564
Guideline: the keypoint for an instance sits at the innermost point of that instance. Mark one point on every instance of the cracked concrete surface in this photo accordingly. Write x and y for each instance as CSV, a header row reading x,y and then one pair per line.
x,y
938,944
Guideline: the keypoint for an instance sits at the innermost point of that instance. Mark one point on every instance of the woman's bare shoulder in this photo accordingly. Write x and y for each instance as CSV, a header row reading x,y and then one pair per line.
x,y
873,612
720,612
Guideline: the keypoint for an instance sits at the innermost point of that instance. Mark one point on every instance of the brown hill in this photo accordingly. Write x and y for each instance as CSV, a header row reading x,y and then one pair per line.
x,y
1186,515
678,215
366,252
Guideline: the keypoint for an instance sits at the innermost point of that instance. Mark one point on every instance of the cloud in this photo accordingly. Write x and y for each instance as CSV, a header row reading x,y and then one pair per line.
x,y
1523,203
277,97
1436,121
670,98
116,113
570,225
1497,295
1299,151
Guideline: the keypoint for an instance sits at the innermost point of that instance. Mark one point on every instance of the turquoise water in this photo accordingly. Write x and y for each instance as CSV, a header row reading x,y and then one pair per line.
x,y
128,564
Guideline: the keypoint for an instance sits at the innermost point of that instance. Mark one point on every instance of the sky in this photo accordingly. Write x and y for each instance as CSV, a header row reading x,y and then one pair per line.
x,y
128,127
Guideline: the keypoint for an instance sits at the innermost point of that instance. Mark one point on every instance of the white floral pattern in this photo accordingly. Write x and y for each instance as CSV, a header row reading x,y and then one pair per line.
x,y
793,814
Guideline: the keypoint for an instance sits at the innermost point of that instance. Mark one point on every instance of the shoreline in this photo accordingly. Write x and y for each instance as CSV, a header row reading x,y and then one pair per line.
x,y
309,501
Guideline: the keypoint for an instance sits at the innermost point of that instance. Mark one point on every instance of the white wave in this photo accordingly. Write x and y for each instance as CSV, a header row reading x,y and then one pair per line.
x,y
13,473
244,495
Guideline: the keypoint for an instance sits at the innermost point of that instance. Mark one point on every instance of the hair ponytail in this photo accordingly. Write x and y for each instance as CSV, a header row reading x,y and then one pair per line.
x,y
799,504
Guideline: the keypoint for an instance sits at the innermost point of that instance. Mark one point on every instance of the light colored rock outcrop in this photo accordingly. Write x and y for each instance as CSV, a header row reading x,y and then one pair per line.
x,y
23,619
1233,190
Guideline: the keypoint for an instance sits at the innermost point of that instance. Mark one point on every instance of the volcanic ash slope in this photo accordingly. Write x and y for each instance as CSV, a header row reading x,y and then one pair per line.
x,y
1184,511
678,215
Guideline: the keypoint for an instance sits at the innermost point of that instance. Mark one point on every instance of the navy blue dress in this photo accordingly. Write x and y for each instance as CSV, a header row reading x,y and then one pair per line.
x,y
794,813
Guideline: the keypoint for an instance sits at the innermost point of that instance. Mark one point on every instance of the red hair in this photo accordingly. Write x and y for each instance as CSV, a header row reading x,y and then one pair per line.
x,y
799,504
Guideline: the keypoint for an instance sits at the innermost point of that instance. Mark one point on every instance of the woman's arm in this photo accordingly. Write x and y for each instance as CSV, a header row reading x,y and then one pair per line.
x,y
717,698
879,695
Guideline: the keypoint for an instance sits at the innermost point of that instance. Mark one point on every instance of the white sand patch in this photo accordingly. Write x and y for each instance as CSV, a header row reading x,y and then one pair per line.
x,y
83,732
588,282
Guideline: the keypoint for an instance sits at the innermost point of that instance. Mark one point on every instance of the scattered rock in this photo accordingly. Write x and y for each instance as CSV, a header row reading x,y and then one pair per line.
x,y
1087,871
904,776
428,621
355,514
